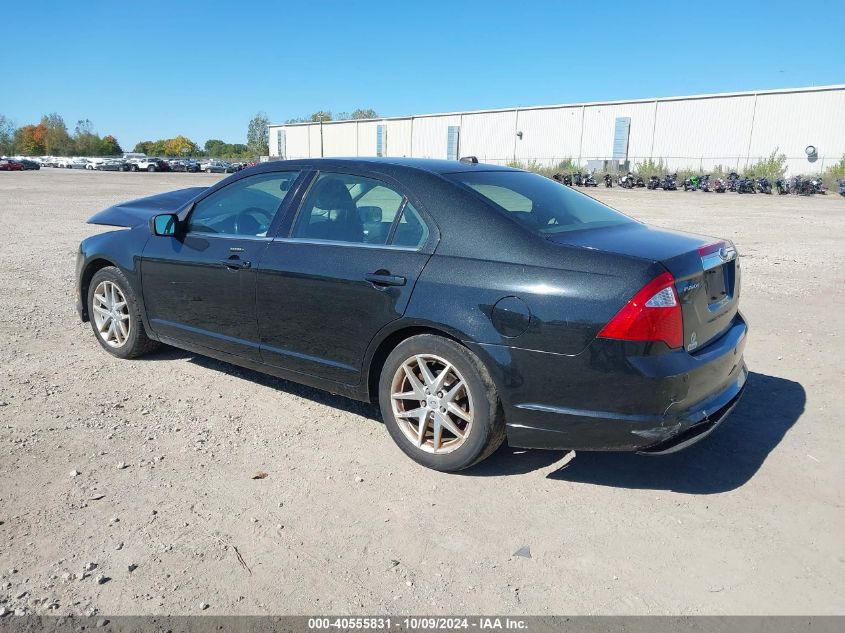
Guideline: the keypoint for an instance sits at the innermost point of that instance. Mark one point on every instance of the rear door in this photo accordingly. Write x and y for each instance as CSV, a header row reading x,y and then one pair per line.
x,y
345,269
199,286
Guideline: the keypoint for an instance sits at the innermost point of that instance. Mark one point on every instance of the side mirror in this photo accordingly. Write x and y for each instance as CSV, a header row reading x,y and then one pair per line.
x,y
164,225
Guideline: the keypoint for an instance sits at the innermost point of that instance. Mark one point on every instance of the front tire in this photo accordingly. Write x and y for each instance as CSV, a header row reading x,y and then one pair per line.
x,y
115,315
439,403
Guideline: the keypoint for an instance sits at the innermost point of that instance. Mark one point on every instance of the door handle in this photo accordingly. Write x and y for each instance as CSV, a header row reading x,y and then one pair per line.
x,y
236,264
383,278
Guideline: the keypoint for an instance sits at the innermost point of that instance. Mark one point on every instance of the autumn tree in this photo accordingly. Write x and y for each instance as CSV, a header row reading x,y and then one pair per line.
x,y
110,146
180,146
27,141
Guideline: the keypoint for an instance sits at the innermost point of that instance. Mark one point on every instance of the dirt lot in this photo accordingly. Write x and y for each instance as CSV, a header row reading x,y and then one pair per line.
x,y
745,522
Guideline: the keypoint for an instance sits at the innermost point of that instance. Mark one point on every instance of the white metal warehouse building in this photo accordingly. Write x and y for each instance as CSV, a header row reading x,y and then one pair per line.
x,y
698,132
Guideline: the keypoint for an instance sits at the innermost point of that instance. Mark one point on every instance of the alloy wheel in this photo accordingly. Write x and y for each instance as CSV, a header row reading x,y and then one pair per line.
x,y
111,314
431,403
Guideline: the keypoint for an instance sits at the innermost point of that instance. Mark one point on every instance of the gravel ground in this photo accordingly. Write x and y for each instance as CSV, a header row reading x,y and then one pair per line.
x,y
126,486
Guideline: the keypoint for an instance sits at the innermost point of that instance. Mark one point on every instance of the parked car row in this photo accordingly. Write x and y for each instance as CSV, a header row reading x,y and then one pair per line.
x,y
18,164
129,162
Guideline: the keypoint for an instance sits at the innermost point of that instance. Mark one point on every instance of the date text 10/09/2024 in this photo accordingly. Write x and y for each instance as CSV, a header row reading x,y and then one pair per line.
x,y
418,623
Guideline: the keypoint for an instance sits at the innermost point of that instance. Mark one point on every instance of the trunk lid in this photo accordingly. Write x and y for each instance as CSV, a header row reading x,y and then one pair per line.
x,y
706,271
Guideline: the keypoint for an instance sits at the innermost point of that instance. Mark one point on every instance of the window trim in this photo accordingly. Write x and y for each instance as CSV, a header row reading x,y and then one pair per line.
x,y
316,242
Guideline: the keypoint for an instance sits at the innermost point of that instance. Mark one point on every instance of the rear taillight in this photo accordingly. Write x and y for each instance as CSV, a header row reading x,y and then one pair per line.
x,y
715,247
653,314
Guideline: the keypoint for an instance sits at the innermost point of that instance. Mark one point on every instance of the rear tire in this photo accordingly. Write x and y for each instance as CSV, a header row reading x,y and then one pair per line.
x,y
458,421
115,315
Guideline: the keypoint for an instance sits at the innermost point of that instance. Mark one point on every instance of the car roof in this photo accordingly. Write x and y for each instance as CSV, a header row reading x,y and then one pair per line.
x,y
431,165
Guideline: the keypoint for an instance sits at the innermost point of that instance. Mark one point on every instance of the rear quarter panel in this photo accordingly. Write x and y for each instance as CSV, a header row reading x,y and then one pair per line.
x,y
566,305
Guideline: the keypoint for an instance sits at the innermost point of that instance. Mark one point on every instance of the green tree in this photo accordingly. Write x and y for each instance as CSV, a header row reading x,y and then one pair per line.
x,y
364,113
258,135
772,167
834,173
215,148
7,136
324,114
143,147
85,141
157,148
57,141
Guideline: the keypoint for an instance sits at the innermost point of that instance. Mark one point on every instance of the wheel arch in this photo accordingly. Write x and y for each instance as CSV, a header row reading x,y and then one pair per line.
x,y
92,267
388,343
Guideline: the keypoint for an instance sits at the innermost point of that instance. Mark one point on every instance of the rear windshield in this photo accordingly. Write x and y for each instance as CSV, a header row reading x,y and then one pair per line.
x,y
539,203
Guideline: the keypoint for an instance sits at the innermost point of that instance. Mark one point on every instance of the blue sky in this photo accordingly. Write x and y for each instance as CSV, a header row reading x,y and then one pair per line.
x,y
151,69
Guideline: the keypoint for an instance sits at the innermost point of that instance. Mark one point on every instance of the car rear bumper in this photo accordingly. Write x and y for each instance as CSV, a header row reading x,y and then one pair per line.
x,y
606,399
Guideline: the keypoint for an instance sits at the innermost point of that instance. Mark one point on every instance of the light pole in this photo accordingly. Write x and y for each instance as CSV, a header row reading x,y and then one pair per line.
x,y
321,136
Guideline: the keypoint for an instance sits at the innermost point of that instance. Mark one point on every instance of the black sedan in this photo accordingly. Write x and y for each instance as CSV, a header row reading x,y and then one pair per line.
x,y
473,302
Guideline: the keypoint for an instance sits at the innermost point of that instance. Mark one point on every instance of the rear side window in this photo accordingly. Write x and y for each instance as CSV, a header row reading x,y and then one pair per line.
x,y
538,203
411,231
358,210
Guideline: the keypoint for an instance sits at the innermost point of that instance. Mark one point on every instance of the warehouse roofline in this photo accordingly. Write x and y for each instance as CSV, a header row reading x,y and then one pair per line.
x,y
581,104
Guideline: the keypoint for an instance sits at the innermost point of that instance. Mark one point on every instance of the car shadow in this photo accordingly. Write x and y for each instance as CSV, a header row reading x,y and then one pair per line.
x,y
364,409
724,461
509,460
165,352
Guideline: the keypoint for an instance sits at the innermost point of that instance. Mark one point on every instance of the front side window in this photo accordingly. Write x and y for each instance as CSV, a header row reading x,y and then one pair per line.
x,y
538,203
244,208
356,210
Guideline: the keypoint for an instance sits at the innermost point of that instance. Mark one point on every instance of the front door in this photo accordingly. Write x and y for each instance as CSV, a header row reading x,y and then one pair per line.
x,y
346,269
199,286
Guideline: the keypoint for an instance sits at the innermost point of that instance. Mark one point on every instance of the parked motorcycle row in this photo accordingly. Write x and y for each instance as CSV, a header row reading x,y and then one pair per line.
x,y
733,182
582,180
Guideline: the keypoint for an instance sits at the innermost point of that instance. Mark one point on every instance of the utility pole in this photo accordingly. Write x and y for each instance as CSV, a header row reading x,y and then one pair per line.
x,y
321,136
